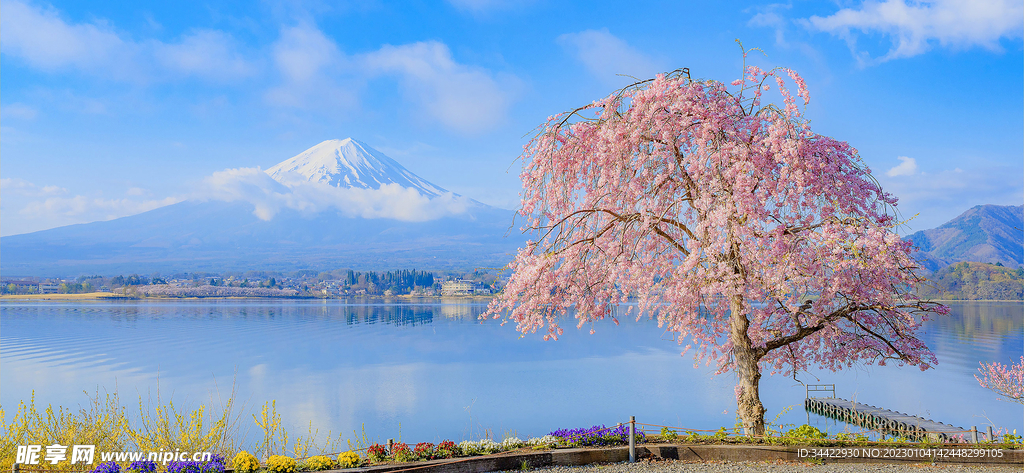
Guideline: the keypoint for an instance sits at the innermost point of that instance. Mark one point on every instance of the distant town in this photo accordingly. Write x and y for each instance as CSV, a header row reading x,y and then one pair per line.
x,y
303,283
959,281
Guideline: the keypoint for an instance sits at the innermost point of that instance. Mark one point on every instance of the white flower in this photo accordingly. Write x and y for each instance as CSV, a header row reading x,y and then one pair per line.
x,y
489,446
511,443
469,447
547,441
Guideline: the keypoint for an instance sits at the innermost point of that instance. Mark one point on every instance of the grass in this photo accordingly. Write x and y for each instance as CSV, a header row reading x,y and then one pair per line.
x,y
109,425
809,436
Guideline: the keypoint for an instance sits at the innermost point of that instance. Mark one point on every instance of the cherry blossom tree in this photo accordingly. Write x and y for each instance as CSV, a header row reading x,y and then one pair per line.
x,y
765,246
1007,381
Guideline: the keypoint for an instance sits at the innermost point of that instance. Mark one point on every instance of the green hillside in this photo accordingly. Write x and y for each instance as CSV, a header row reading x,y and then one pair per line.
x,y
974,281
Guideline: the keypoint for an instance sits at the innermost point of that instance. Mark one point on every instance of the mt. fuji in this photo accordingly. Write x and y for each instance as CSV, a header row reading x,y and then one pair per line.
x,y
349,163
339,204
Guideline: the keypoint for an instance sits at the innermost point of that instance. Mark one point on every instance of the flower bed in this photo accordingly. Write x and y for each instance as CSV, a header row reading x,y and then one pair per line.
x,y
598,435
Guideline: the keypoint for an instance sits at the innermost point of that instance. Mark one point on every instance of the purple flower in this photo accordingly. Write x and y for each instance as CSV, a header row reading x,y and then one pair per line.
x,y
184,467
596,435
107,467
214,465
142,466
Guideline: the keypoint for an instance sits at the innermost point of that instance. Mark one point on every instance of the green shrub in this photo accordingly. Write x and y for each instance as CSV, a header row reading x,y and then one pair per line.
x,y
844,437
667,434
806,431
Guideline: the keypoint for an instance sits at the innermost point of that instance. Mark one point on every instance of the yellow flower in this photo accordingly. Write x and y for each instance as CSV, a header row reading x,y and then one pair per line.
x,y
349,459
245,462
319,463
281,464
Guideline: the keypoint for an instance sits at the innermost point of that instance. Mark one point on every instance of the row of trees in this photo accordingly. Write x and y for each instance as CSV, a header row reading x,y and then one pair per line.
x,y
398,282
974,281
403,281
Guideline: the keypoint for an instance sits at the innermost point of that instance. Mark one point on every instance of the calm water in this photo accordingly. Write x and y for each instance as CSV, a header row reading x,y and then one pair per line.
x,y
432,371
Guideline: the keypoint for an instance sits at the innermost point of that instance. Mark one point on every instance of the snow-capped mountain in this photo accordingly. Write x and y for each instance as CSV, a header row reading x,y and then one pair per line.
x,y
349,163
289,220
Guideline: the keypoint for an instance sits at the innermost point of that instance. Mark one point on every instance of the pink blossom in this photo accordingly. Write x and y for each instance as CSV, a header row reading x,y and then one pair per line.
x,y
704,210
1007,381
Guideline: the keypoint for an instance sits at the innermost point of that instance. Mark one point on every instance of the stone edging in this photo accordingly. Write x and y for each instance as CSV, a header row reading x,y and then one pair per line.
x,y
696,453
792,453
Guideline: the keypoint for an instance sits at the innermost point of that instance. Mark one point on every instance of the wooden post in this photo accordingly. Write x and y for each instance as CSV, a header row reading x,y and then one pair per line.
x,y
974,434
990,438
632,439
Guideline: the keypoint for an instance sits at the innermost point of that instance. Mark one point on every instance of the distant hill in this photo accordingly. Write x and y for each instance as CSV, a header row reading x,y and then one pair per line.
x,y
985,234
974,281
339,204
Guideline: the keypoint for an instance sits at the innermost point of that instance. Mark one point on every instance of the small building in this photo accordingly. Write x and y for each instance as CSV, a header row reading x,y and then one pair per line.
x,y
21,286
49,288
457,287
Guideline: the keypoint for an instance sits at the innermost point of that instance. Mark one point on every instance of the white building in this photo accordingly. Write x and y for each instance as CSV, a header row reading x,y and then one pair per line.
x,y
457,287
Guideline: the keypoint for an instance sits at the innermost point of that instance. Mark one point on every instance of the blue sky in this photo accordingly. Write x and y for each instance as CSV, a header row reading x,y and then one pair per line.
x,y
109,109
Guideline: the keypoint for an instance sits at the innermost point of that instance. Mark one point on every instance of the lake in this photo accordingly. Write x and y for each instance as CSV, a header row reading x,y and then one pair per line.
x,y
429,371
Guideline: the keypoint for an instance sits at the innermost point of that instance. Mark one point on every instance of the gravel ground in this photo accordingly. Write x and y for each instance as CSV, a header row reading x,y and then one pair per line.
x,y
669,466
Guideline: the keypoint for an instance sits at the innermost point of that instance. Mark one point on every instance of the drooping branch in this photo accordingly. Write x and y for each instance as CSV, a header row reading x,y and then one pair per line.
x,y
705,206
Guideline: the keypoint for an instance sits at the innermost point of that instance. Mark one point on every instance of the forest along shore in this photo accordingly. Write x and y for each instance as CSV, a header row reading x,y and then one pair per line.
x,y
223,293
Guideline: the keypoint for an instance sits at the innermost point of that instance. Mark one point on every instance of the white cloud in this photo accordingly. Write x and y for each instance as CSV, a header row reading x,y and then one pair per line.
x,y
481,7
771,16
461,97
605,56
203,53
269,197
303,51
914,27
248,185
768,17
21,187
906,167
314,72
18,110
27,207
311,68
89,209
939,196
44,40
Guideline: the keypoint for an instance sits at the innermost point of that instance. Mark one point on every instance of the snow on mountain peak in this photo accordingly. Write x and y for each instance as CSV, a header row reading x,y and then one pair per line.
x,y
349,163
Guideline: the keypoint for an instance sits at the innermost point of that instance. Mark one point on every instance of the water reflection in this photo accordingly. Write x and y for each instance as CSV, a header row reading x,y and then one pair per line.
x,y
973,332
435,371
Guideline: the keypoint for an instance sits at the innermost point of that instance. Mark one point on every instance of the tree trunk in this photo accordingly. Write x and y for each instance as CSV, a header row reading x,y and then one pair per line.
x,y
748,374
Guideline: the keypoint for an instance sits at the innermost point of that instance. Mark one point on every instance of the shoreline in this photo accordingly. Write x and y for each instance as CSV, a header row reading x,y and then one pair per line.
x,y
110,296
